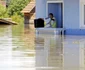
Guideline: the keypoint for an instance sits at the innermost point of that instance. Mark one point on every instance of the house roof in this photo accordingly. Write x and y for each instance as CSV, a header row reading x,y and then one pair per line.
x,y
29,7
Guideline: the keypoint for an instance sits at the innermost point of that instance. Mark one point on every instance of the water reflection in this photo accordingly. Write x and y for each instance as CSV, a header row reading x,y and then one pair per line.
x,y
20,49
60,53
16,51
49,50
5,47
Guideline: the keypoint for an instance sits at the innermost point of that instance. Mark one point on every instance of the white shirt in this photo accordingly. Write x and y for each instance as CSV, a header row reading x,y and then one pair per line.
x,y
49,22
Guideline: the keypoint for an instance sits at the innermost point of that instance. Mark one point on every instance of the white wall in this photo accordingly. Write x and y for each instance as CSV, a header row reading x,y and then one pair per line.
x,y
40,8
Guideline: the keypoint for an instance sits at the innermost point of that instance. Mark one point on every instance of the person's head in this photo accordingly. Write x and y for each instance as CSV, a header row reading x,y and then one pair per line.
x,y
50,15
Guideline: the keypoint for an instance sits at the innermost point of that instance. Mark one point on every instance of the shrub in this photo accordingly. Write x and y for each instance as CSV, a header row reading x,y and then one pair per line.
x,y
3,12
16,6
17,18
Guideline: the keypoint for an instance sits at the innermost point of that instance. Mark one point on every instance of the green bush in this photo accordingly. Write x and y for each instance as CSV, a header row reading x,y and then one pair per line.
x,y
16,6
3,12
17,18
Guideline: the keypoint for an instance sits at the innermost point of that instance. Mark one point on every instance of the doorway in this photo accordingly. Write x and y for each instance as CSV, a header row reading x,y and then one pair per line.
x,y
57,10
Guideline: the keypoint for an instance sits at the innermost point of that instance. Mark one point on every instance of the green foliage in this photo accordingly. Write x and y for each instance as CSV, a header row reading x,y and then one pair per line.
x,y
17,18
14,10
3,12
15,6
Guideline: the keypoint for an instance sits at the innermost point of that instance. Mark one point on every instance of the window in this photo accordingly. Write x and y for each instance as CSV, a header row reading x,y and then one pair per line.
x,y
82,13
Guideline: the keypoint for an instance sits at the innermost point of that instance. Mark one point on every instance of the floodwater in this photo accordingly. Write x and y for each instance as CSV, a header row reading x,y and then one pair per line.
x,y
21,49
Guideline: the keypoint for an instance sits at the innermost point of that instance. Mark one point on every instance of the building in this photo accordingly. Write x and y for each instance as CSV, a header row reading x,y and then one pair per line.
x,y
70,14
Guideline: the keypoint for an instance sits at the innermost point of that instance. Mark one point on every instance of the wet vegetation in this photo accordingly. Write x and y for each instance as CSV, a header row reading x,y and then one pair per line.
x,y
13,10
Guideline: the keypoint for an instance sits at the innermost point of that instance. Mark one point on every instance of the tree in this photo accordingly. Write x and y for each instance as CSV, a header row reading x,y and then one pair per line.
x,y
3,12
15,6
